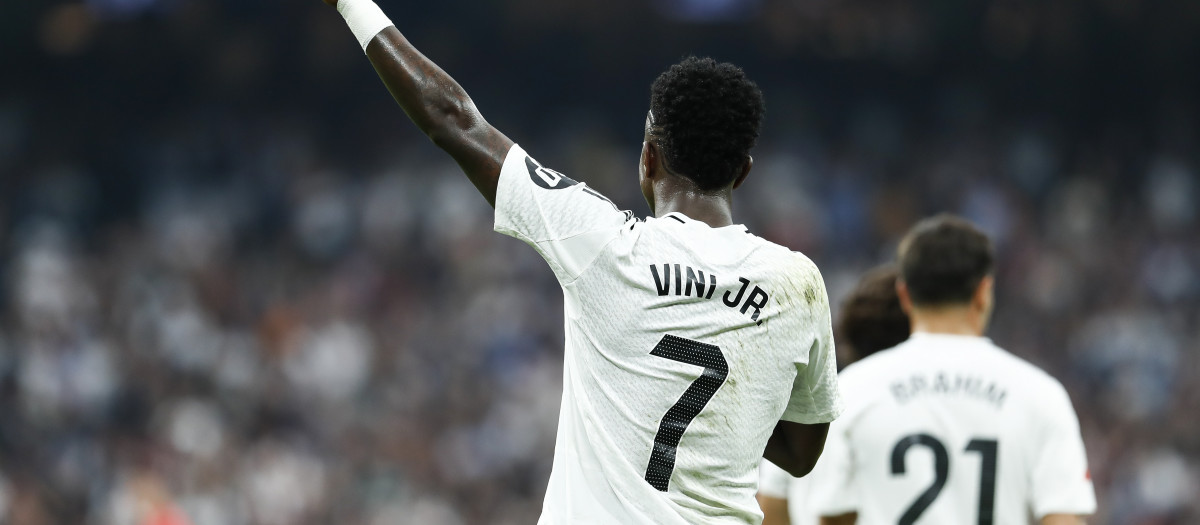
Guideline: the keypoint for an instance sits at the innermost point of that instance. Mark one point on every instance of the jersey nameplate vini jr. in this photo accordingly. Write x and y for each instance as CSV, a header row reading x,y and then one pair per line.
x,y
685,345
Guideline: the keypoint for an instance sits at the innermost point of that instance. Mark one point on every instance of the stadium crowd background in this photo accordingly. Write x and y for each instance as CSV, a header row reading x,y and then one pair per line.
x,y
238,284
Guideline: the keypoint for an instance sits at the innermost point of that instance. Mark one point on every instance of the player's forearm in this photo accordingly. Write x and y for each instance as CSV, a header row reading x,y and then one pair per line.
x,y
441,108
438,105
790,451
775,510
431,98
796,448
845,519
779,453
1062,519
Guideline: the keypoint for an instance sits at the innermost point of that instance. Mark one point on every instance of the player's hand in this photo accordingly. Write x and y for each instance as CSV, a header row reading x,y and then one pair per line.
x,y
331,3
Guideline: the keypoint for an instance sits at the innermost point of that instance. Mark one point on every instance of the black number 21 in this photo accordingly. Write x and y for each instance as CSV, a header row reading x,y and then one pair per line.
x,y
677,419
987,449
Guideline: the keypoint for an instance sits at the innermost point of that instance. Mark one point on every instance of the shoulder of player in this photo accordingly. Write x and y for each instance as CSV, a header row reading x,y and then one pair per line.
x,y
799,274
1040,392
1029,374
1044,398
801,262
866,382
519,163
863,385
782,252
792,266
868,370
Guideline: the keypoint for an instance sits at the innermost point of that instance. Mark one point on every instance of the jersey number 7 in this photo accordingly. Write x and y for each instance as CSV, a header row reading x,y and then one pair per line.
x,y
677,419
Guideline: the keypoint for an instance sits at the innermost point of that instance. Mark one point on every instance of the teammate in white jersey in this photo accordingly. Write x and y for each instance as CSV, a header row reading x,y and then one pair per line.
x,y
693,348
869,320
947,428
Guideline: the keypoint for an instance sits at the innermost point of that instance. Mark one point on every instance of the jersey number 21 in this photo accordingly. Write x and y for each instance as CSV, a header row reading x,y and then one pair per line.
x,y
988,449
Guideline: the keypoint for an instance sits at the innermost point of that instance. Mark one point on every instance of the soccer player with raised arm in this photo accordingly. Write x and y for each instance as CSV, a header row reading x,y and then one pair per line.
x,y
947,427
693,348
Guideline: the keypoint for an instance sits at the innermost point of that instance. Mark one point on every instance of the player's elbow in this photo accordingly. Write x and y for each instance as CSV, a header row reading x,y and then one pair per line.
x,y
797,447
457,135
451,121
801,465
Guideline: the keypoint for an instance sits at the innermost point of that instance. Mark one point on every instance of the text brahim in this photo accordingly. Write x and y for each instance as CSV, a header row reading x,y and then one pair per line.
x,y
688,281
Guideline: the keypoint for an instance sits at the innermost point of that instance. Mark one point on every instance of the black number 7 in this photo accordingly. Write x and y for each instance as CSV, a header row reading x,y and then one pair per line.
x,y
677,419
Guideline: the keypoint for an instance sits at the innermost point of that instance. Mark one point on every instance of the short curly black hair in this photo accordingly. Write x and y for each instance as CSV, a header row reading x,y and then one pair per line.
x,y
706,117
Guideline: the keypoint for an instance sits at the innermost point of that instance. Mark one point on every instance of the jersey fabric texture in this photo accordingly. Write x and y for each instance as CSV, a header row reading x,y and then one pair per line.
x,y
952,429
685,345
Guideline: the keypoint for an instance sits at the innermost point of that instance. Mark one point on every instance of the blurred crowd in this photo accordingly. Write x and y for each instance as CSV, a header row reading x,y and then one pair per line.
x,y
238,289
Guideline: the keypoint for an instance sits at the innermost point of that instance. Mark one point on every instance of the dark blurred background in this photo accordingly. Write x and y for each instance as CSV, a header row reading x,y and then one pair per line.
x,y
240,288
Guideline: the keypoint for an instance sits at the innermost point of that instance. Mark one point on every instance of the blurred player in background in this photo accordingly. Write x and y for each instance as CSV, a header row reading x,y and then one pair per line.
x,y
871,319
693,348
947,427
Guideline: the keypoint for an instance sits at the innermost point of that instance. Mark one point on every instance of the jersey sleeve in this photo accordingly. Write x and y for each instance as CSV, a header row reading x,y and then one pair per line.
x,y
1061,482
567,222
815,397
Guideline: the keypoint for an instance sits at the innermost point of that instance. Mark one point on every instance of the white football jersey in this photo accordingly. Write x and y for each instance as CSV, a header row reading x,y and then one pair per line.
x,y
685,345
952,429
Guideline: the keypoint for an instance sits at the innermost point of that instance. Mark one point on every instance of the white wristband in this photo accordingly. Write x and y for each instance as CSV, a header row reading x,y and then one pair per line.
x,y
364,18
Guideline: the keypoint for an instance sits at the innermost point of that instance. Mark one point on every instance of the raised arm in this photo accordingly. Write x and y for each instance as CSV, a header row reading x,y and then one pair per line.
x,y
434,101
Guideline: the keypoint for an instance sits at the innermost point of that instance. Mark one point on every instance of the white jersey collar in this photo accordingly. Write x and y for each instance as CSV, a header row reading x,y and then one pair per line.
x,y
679,217
948,337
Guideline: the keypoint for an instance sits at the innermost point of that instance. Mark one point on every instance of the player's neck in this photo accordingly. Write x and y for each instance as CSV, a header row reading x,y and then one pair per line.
x,y
713,209
947,320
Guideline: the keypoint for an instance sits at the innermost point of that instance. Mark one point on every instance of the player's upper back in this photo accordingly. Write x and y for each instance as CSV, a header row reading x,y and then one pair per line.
x,y
685,346
953,372
762,304
947,428
672,300
725,278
